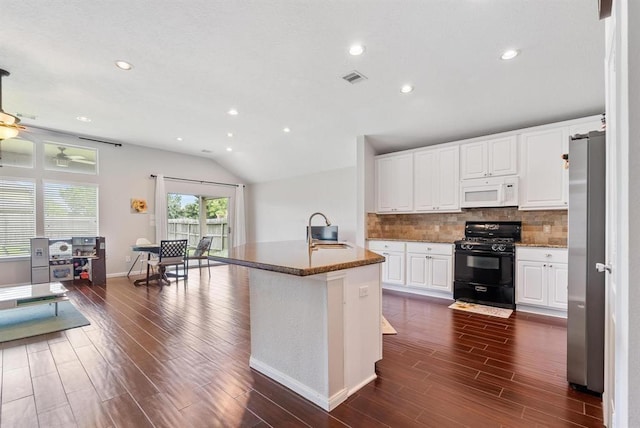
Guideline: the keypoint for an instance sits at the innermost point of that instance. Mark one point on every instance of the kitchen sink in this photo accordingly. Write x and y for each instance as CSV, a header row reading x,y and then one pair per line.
x,y
330,245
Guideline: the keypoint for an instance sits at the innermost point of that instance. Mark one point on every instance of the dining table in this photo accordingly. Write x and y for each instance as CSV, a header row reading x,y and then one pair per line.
x,y
149,249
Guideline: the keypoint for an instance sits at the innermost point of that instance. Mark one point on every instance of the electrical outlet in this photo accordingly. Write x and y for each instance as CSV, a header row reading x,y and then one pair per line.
x,y
364,290
127,259
546,228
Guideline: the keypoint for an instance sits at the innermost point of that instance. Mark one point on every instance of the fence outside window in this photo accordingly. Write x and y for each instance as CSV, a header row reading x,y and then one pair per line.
x,y
189,229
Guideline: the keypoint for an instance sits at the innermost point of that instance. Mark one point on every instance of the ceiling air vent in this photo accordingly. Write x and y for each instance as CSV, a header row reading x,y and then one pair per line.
x,y
354,77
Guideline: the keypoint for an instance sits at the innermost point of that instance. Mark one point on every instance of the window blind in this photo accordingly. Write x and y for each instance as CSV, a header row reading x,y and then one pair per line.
x,y
70,209
17,216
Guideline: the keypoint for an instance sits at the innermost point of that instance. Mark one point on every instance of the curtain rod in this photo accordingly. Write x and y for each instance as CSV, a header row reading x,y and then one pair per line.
x,y
200,181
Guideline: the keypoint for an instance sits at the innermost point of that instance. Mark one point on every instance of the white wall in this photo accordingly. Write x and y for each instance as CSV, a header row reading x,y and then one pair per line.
x,y
280,210
124,173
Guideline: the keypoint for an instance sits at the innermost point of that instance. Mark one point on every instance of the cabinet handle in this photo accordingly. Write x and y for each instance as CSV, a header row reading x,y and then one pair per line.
x,y
544,265
428,249
550,266
547,255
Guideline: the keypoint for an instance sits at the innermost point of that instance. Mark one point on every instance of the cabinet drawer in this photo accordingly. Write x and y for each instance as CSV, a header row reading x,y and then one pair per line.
x,y
542,254
430,248
386,246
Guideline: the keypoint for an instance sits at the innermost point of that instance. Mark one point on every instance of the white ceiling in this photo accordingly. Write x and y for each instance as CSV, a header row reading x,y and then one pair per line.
x,y
280,62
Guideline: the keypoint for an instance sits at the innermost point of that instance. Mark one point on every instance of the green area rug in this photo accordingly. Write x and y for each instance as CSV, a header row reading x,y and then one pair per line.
x,y
39,319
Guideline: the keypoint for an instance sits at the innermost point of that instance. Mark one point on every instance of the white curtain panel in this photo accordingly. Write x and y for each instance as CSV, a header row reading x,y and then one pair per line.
x,y
161,209
239,229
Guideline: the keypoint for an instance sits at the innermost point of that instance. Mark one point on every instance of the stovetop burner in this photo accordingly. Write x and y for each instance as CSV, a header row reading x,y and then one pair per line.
x,y
480,239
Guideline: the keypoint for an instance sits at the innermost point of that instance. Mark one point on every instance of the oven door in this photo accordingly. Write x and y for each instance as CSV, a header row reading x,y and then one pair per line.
x,y
481,267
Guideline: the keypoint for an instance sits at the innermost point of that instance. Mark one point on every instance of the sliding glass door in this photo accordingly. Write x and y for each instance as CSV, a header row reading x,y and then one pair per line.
x,y
193,216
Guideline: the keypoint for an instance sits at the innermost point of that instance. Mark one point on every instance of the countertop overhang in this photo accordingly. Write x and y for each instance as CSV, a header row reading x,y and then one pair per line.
x,y
294,257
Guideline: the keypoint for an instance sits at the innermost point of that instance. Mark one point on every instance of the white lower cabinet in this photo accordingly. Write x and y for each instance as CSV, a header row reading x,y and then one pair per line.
x,y
542,277
430,266
393,266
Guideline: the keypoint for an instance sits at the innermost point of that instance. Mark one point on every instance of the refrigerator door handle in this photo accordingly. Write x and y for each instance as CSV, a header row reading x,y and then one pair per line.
x,y
602,267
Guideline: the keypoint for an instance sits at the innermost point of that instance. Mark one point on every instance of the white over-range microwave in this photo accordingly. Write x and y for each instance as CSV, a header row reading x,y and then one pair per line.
x,y
489,192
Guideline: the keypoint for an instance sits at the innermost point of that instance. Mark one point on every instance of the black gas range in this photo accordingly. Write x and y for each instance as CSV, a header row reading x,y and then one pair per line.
x,y
484,263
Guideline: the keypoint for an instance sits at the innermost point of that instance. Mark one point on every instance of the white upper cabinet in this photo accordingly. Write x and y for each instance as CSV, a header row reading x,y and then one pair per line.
x,y
437,183
544,183
394,183
585,128
489,158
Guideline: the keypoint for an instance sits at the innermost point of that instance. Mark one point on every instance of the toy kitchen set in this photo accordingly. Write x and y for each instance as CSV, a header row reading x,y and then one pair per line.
x,y
68,259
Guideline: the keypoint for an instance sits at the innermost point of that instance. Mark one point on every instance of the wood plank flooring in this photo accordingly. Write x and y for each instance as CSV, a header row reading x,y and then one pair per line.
x,y
178,357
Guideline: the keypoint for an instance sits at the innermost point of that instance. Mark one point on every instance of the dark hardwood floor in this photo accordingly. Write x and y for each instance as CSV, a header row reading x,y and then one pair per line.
x,y
178,357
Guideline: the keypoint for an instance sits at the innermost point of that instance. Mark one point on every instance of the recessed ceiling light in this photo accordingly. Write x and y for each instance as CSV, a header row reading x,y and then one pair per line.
x,y
229,134
406,89
233,112
229,149
286,130
179,138
123,65
356,50
83,119
509,54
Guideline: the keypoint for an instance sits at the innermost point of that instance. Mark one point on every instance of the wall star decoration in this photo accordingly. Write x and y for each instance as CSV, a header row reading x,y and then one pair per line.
x,y
138,205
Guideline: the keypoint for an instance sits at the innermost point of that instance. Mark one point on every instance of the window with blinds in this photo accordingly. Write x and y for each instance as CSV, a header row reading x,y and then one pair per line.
x,y
70,209
17,216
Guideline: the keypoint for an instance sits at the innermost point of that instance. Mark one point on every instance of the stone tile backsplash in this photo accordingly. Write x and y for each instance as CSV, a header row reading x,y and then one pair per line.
x,y
538,227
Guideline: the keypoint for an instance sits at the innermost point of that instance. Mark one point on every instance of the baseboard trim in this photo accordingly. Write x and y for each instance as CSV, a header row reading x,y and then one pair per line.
x,y
317,398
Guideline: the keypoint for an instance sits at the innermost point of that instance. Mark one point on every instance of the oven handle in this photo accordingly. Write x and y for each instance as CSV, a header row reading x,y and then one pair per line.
x,y
484,253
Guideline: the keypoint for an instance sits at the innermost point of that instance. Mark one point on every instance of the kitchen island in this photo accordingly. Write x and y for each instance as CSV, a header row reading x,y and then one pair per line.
x,y
315,316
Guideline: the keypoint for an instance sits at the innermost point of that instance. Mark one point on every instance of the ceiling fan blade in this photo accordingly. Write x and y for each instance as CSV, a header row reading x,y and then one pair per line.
x,y
88,162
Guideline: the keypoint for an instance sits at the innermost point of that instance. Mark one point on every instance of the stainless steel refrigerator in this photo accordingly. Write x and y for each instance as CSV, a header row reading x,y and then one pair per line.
x,y
586,310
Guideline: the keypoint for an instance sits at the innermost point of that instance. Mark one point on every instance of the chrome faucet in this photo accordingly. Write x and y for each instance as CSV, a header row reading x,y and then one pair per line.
x,y
309,238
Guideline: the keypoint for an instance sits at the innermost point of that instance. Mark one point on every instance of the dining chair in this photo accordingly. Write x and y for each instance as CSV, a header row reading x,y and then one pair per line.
x,y
141,254
201,252
173,252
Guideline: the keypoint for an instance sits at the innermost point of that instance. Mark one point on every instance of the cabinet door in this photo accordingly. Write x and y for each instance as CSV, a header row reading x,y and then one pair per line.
x,y
403,183
440,273
544,182
384,182
473,160
416,269
558,282
394,272
394,182
531,283
448,182
502,154
425,168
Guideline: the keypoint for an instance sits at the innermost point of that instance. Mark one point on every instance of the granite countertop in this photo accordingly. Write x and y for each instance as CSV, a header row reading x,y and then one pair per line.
x,y
294,257
533,244
435,241
439,241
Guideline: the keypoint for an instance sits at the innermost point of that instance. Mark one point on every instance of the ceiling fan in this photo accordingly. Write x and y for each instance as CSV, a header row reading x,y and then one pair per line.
x,y
9,124
62,159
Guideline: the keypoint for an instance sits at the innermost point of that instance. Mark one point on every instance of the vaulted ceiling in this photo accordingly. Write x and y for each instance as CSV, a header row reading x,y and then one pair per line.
x,y
280,64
